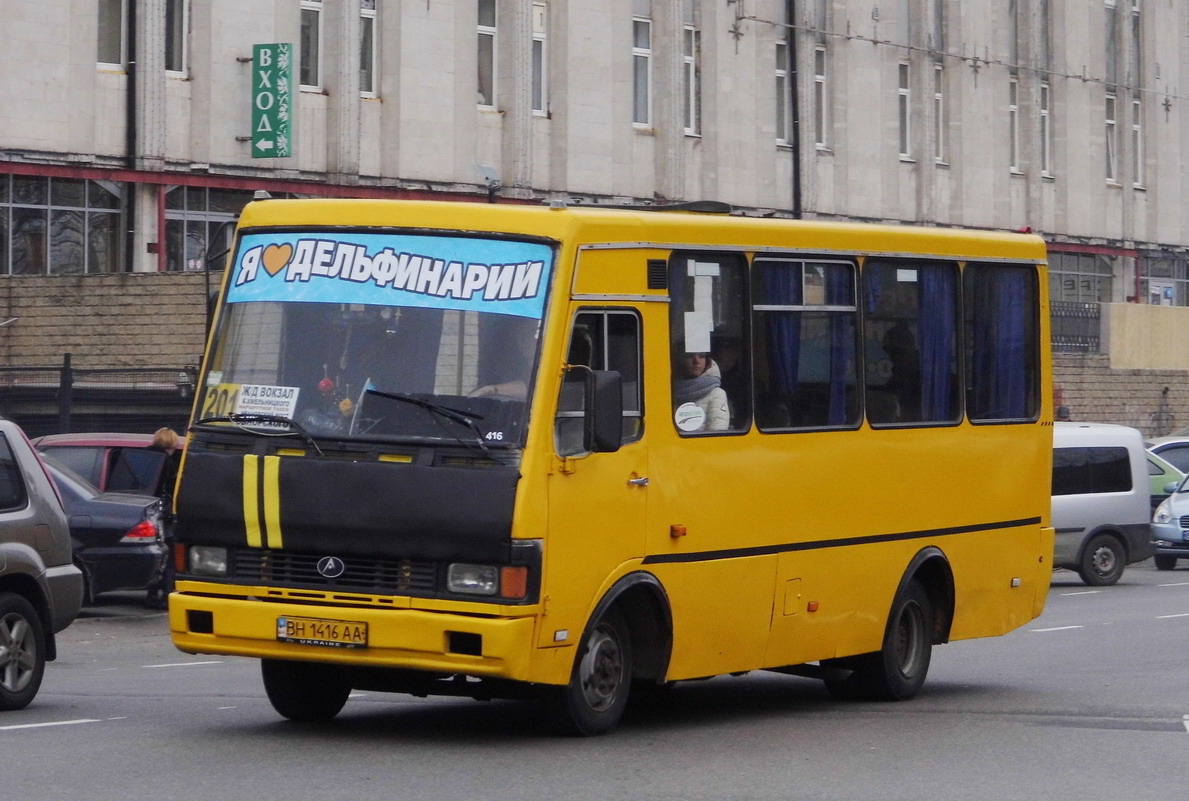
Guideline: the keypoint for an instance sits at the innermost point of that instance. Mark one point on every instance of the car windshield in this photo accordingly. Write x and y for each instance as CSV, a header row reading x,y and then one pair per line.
x,y
379,336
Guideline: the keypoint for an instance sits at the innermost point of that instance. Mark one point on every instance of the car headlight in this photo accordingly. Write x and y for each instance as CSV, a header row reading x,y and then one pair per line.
x,y
1163,512
207,560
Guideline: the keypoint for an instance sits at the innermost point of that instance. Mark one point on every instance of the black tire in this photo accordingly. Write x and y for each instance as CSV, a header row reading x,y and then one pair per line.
x,y
1165,562
22,652
600,682
897,671
1102,562
305,691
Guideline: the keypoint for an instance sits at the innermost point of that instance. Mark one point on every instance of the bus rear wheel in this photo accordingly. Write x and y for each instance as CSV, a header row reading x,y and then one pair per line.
x,y
897,671
594,700
304,691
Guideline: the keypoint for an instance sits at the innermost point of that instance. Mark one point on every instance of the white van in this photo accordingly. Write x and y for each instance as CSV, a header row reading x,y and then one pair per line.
x,y
1101,507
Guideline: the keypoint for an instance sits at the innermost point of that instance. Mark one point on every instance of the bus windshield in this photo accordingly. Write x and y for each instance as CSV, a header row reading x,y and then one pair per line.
x,y
362,335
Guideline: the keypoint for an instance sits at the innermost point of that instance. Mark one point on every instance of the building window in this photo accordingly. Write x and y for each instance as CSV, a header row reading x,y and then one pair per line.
x,y
940,122
691,66
59,226
177,29
782,92
1046,131
1013,123
367,48
1165,279
197,218
1137,142
1112,141
642,63
540,59
486,53
904,100
821,99
112,14
311,41
1080,277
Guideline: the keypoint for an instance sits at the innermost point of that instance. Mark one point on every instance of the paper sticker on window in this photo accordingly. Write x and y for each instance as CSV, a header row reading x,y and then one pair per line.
x,y
268,400
689,417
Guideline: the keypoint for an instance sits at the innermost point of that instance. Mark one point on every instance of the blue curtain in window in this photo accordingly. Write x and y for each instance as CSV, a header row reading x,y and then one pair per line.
x,y
936,329
840,292
782,287
1000,299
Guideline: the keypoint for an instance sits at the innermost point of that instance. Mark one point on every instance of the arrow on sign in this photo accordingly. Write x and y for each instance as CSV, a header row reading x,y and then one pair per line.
x,y
266,144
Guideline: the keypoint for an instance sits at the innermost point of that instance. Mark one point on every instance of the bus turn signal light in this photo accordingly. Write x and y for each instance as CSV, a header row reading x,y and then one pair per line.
x,y
513,582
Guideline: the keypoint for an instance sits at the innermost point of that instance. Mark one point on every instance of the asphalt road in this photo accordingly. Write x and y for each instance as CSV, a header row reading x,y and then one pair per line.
x,y
1090,701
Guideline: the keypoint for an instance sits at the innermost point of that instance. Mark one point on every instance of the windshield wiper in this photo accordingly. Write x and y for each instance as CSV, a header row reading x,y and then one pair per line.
x,y
240,419
454,415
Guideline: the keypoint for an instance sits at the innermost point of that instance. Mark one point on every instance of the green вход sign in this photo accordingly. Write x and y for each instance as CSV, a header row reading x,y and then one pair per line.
x,y
272,107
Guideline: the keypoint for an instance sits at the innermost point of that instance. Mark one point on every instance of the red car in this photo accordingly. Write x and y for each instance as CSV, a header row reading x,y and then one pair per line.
x,y
112,462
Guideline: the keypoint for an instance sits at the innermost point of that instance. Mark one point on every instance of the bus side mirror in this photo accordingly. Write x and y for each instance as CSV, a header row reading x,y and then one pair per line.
x,y
603,422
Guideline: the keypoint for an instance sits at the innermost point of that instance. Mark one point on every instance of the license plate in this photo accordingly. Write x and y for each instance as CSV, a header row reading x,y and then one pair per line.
x,y
316,631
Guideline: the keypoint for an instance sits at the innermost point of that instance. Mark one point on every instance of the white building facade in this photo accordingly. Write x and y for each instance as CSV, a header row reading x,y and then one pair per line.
x,y
127,130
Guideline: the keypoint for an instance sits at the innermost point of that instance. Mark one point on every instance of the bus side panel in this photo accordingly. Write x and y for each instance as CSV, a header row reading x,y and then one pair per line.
x,y
721,610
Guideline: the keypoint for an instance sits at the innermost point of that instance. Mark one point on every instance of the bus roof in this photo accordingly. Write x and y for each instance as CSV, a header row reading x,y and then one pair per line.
x,y
585,225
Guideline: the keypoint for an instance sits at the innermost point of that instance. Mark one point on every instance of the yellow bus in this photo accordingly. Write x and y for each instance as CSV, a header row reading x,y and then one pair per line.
x,y
576,453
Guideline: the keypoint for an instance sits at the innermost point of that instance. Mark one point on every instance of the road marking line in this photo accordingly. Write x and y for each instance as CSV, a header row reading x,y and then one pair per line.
x,y
1059,628
1083,592
1177,584
1186,722
186,664
44,725
227,707
1166,617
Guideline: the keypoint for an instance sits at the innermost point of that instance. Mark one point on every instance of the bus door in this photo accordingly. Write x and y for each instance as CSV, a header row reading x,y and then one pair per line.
x,y
597,501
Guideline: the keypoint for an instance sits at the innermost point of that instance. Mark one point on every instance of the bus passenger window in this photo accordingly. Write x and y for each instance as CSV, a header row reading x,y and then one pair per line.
x,y
707,330
601,340
806,340
1002,342
910,329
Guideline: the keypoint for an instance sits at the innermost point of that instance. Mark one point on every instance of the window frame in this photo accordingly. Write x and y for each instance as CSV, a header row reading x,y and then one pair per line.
x,y
1046,130
691,70
1110,113
104,7
1138,176
368,20
641,63
940,120
904,108
177,12
490,60
1013,124
821,98
539,88
310,63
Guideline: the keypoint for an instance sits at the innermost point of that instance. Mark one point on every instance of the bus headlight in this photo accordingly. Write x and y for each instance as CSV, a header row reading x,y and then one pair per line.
x,y
206,560
473,579
509,582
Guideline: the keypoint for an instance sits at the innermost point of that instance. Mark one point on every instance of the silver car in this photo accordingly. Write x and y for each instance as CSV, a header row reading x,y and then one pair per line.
x,y
1170,527
40,588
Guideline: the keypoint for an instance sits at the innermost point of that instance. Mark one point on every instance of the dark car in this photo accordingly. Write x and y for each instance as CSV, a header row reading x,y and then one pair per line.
x,y
118,538
111,462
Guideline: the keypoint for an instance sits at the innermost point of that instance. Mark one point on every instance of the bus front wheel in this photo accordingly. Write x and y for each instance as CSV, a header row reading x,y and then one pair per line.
x,y
897,671
594,700
304,691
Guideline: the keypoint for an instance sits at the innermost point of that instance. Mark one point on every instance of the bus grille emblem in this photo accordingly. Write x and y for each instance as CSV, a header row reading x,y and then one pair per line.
x,y
331,566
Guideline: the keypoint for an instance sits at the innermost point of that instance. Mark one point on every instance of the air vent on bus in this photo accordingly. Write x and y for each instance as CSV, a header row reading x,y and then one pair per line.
x,y
658,274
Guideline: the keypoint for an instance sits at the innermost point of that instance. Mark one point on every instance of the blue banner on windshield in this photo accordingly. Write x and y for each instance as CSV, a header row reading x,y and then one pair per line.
x,y
434,272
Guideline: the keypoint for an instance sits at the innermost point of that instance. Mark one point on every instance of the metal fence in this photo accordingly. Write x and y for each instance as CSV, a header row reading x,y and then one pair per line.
x,y
63,398
1076,327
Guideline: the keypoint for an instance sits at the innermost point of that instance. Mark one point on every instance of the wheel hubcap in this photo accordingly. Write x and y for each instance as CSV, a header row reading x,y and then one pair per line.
x,y
1104,561
602,670
910,632
18,653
